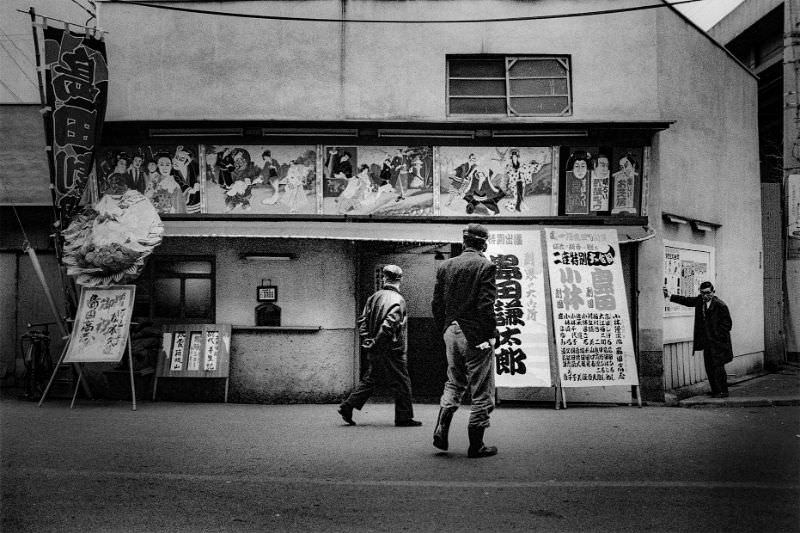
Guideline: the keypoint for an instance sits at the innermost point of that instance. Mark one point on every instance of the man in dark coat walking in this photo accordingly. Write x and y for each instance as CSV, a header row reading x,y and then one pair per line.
x,y
383,327
712,334
463,311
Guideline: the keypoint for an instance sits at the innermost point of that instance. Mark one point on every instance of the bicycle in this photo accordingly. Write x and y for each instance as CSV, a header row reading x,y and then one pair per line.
x,y
35,348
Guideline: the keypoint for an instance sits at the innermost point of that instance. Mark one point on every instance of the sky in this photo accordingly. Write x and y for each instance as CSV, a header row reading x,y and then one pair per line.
x,y
17,58
706,13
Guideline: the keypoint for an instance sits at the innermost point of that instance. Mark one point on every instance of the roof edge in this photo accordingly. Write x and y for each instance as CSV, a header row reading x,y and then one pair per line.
x,y
710,38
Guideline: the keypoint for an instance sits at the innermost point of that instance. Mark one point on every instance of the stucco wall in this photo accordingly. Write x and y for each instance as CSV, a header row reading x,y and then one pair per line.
x,y
172,65
705,167
275,367
316,288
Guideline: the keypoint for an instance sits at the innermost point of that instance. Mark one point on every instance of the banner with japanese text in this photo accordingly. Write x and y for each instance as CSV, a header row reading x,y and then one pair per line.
x,y
522,358
75,89
594,342
102,323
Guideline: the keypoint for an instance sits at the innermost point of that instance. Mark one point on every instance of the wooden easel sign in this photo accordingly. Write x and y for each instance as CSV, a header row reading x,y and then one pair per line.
x,y
100,331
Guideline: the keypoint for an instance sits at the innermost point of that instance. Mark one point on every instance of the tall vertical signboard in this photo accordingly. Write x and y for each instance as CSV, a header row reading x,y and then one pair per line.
x,y
593,337
522,358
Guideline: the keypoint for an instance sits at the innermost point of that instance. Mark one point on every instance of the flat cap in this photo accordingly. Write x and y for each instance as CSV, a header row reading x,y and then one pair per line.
x,y
392,272
476,231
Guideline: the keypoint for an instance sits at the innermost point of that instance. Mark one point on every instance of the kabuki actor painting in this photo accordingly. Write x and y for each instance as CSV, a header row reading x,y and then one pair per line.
x,y
274,179
378,180
166,175
495,181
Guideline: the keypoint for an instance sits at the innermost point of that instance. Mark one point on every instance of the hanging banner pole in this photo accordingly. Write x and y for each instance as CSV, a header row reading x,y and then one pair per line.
x,y
62,327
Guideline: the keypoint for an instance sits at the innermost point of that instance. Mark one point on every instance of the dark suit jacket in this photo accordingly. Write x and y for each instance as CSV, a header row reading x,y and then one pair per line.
x,y
465,291
140,184
712,332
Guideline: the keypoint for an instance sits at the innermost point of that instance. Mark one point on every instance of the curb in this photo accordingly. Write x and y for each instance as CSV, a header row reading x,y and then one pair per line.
x,y
740,402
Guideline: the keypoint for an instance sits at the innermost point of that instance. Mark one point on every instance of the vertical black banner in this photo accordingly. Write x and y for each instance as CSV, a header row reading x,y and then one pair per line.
x,y
76,90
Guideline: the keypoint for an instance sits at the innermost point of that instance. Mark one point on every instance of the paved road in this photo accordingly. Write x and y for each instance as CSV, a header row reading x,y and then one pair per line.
x,y
214,467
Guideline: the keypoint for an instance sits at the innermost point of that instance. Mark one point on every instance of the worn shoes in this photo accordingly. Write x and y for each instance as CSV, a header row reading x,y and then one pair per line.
x,y
347,414
346,411
476,446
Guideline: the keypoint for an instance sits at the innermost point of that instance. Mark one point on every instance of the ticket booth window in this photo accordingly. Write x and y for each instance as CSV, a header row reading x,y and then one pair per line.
x,y
175,289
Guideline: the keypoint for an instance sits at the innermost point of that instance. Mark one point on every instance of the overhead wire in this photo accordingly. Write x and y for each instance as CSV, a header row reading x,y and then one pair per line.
x,y
390,21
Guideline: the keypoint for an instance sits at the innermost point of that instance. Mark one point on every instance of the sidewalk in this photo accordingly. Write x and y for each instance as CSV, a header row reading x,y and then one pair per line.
x,y
781,387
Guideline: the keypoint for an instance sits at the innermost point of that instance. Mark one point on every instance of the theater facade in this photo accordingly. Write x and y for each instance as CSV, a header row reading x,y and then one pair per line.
x,y
294,148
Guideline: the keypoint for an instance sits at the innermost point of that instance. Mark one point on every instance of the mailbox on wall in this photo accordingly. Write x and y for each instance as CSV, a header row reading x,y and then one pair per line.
x,y
267,313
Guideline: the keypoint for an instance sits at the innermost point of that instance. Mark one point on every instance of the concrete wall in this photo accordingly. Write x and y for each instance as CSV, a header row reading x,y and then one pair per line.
x,y
705,167
316,289
173,65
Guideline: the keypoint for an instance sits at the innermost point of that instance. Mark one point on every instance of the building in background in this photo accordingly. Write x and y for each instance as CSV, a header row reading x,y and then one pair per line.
x,y
765,36
303,155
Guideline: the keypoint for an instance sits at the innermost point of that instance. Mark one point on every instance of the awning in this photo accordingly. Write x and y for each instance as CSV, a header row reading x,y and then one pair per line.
x,y
411,232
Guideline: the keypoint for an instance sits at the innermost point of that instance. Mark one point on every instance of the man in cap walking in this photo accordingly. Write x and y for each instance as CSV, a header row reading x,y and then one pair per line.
x,y
383,327
463,310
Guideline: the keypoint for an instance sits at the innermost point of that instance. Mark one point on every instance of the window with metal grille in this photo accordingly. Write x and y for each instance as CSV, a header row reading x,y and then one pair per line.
x,y
514,86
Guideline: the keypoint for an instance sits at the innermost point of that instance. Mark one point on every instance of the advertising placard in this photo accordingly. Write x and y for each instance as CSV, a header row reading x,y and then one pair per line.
x,y
594,344
522,358
101,326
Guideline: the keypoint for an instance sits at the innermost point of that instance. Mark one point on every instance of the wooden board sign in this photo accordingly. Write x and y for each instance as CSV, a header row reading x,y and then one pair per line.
x,y
195,350
594,340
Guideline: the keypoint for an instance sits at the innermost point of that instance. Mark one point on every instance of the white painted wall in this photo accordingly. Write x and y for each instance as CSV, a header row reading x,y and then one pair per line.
x,y
707,169
172,65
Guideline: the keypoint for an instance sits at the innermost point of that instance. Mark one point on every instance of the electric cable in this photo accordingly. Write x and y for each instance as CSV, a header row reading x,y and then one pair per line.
x,y
388,21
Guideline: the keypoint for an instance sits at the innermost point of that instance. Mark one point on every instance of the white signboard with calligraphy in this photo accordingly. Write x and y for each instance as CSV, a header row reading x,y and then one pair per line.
x,y
100,332
522,358
594,342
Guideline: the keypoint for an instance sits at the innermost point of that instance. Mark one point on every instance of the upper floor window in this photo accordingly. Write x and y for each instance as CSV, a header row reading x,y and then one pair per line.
x,y
514,86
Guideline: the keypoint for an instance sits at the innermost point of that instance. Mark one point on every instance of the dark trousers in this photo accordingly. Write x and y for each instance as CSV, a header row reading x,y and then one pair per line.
x,y
390,368
715,370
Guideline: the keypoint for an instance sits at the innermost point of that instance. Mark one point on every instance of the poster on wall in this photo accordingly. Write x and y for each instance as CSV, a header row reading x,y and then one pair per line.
x,y
624,183
167,175
686,266
263,179
793,216
600,184
594,342
522,358
491,181
576,183
102,322
378,180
